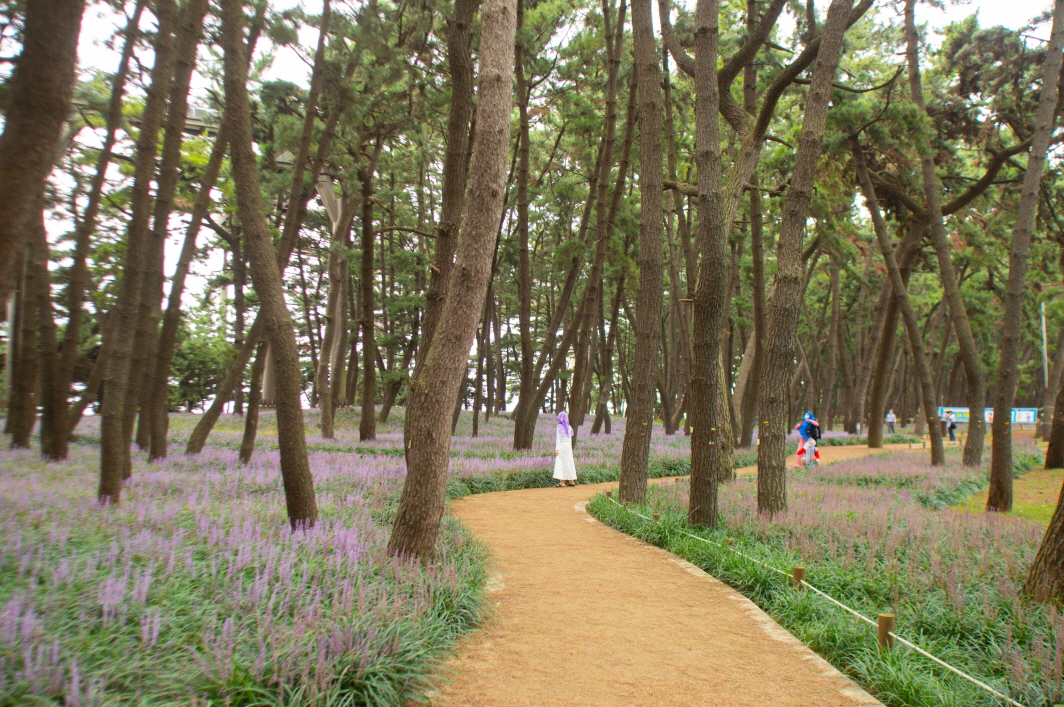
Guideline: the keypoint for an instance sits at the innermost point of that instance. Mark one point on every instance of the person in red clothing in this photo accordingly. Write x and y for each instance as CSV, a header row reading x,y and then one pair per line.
x,y
809,429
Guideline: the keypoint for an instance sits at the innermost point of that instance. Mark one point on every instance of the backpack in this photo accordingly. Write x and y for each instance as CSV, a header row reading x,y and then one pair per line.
x,y
814,432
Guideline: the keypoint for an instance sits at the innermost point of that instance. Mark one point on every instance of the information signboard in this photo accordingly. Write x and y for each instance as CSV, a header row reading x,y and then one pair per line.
x,y
1020,416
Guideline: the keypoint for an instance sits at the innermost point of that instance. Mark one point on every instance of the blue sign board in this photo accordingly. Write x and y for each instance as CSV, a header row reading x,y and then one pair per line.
x,y
1019,415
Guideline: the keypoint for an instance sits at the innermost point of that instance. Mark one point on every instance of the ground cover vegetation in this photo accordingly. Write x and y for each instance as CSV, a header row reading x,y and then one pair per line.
x,y
515,208
194,590
870,534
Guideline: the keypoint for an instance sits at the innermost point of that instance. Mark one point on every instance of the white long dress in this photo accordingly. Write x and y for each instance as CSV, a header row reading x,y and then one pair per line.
x,y
564,466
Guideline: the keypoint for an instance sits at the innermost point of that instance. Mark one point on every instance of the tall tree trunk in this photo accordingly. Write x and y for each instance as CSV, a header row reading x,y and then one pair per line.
x,y
583,353
827,412
142,390
881,346
295,213
973,367
783,311
36,107
52,398
367,427
22,410
751,390
251,419
527,382
266,276
1000,496
455,163
338,270
115,428
434,389
912,327
78,278
640,413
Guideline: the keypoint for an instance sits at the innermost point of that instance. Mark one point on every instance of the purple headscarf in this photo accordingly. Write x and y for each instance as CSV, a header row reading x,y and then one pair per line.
x,y
563,424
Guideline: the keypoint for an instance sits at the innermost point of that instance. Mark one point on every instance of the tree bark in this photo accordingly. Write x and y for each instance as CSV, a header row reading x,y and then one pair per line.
x,y
367,426
115,427
434,389
783,311
912,327
37,105
143,391
266,276
79,271
295,213
640,413
455,163
22,411
251,419
1045,579
1000,496
973,367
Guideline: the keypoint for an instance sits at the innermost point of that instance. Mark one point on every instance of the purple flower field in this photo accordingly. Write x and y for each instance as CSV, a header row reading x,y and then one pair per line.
x,y
865,533
194,590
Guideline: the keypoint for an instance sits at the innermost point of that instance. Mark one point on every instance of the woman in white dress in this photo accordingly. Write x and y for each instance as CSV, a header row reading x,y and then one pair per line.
x,y
564,466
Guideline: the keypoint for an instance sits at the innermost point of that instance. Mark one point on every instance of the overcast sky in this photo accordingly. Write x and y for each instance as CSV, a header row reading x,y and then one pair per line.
x,y
99,23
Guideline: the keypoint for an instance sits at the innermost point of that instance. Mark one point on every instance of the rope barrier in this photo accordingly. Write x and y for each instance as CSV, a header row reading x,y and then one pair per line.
x,y
836,602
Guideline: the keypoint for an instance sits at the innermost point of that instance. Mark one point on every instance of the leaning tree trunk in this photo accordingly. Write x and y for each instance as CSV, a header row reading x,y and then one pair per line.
x,y
295,213
912,326
36,107
266,276
1000,496
251,419
782,316
973,368
640,413
78,278
1045,579
460,63
167,343
115,461
434,389
143,393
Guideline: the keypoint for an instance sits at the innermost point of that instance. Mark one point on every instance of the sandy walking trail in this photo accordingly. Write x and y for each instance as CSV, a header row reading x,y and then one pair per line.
x,y
586,616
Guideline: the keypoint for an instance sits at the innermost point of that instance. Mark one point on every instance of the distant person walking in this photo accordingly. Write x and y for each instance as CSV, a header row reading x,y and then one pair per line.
x,y
809,429
891,419
564,466
951,424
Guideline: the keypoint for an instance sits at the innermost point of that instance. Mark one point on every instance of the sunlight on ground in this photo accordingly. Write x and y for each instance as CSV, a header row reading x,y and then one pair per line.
x,y
1034,496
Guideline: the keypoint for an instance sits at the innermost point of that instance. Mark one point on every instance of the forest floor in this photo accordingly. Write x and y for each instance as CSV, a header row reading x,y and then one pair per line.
x,y
586,616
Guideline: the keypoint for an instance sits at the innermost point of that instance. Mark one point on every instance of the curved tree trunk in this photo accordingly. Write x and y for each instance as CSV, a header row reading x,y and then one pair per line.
x,y
251,419
434,389
266,276
1000,496
115,428
782,316
912,327
973,367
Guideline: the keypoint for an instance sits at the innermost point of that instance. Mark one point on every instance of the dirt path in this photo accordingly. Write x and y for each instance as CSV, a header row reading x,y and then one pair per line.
x,y
586,616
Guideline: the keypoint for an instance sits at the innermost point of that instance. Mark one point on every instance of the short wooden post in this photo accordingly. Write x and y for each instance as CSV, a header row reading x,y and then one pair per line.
x,y
657,517
798,576
609,494
730,542
886,627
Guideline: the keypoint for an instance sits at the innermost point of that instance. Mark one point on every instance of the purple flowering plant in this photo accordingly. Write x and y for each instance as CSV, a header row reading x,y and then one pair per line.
x,y
869,534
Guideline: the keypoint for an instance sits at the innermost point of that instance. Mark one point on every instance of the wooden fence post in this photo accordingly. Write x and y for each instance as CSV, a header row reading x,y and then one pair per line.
x,y
798,576
886,627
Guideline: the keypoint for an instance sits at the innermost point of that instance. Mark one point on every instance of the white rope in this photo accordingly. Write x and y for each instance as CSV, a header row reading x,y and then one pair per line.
x,y
839,604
